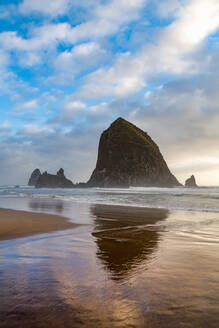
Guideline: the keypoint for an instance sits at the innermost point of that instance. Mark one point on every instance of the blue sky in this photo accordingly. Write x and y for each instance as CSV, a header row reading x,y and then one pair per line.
x,y
69,68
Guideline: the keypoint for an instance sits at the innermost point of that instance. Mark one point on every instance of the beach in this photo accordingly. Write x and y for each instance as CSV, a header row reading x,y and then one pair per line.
x,y
126,267
15,224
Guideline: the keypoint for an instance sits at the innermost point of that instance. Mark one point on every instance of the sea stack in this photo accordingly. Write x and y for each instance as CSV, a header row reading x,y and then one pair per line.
x,y
127,156
34,177
191,183
59,180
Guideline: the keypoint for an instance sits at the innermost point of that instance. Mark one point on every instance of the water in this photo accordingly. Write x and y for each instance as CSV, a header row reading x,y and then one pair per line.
x,y
199,199
126,267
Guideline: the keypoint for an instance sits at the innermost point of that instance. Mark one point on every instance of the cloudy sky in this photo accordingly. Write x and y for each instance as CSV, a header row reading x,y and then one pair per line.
x,y
68,68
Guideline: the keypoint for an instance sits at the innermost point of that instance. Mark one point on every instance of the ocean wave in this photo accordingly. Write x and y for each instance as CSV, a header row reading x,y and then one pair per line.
x,y
202,200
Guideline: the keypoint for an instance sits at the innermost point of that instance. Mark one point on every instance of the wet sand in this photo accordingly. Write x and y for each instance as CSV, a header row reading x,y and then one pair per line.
x,y
130,267
15,224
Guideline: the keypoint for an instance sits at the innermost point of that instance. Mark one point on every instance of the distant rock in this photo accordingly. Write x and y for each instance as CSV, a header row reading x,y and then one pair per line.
x,y
34,177
191,183
59,180
81,185
127,156
60,173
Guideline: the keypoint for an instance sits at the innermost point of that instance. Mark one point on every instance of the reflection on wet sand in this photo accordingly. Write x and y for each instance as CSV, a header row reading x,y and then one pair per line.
x,y
103,275
53,205
123,238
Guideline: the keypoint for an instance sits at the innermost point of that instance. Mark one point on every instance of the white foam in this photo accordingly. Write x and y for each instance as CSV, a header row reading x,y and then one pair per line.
x,y
200,199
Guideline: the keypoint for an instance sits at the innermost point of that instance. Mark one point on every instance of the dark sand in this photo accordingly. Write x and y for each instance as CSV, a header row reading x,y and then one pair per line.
x,y
15,224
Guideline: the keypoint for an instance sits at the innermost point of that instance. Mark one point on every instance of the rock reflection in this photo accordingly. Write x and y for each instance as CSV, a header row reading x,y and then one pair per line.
x,y
46,205
123,238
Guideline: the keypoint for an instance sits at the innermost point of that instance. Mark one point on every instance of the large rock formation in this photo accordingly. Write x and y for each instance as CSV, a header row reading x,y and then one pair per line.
x,y
127,156
59,180
191,183
34,177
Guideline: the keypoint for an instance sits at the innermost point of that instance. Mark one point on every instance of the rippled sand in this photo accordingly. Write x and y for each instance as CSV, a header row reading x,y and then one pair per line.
x,y
128,268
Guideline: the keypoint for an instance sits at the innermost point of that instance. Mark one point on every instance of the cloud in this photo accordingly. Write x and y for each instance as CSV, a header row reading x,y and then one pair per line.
x,y
5,129
31,129
105,20
31,104
10,83
108,18
87,70
5,125
81,58
168,8
41,37
182,117
46,7
125,78
173,54
4,60
76,114
196,21
75,106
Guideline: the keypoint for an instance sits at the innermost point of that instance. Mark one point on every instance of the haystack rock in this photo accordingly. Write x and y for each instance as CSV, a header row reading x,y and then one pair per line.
x,y
34,177
59,180
191,183
127,156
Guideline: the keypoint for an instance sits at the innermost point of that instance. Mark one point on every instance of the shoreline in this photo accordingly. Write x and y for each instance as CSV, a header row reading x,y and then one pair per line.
x,y
19,223
16,223
128,267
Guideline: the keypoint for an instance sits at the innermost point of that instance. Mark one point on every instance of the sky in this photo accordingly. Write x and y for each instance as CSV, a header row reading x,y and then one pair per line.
x,y
69,68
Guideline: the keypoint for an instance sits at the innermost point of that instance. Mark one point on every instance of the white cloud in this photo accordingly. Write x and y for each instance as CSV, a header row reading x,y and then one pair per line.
x,y
10,83
31,129
75,112
45,7
31,104
169,8
42,37
30,59
105,20
123,79
75,106
4,59
196,21
86,49
80,59
70,60
5,125
182,118
129,74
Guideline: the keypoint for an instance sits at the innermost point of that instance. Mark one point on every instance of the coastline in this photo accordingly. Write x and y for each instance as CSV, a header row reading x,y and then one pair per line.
x,y
17,224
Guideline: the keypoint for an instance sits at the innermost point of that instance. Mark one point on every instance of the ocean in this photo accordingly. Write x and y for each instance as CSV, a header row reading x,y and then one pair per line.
x,y
186,199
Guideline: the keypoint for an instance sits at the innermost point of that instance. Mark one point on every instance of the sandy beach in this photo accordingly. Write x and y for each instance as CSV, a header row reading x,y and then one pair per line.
x,y
127,267
15,224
